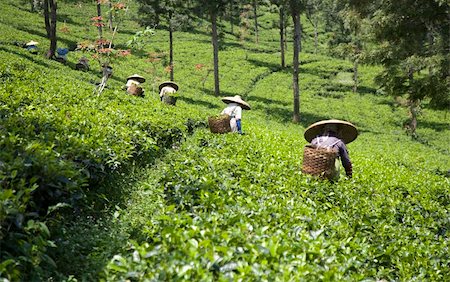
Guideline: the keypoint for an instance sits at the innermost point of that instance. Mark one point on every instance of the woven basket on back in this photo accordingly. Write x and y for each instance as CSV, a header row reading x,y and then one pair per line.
x,y
135,90
219,124
319,161
170,100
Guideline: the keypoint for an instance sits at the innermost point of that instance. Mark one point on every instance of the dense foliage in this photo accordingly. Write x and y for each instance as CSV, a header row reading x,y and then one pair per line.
x,y
114,187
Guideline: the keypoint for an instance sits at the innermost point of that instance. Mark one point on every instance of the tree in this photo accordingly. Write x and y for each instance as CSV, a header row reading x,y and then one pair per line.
x,y
50,7
413,38
214,8
255,14
352,48
175,13
295,7
312,10
232,13
110,20
281,6
99,19
104,51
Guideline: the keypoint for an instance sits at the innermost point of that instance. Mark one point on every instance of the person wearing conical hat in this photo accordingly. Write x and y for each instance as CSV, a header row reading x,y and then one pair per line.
x,y
83,64
61,54
234,108
32,47
333,134
133,85
167,88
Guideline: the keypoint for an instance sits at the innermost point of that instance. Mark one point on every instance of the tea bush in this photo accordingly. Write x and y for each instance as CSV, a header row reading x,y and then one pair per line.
x,y
237,207
214,207
58,139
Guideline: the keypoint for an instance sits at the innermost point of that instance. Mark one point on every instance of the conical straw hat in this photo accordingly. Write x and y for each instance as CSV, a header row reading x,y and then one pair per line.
x,y
348,132
32,42
237,99
136,77
168,83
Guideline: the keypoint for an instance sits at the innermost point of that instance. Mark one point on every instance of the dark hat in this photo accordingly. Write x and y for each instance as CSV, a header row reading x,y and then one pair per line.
x,y
168,83
236,99
348,132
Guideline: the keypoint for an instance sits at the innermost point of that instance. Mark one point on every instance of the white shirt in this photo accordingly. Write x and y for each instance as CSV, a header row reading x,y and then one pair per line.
x,y
234,110
166,89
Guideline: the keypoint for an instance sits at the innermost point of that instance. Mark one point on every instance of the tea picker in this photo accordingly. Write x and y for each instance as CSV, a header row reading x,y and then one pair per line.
x,y
166,91
107,72
328,139
61,54
83,64
234,110
133,85
32,47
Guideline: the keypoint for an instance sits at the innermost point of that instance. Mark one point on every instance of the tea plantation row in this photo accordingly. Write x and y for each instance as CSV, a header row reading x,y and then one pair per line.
x,y
237,208
223,207
59,140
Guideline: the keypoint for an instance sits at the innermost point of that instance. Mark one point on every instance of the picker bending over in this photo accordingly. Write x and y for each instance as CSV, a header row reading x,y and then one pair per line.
x,y
167,88
234,110
333,134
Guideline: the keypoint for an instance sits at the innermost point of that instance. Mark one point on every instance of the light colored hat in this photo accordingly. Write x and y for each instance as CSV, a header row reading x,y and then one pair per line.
x,y
168,83
237,99
137,77
348,132
32,42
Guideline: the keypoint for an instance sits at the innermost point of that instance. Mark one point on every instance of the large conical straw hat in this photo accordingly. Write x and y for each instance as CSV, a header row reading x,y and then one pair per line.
x,y
348,132
168,83
136,77
237,99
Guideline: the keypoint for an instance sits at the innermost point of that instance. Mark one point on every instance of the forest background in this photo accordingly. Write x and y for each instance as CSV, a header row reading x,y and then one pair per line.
x,y
101,185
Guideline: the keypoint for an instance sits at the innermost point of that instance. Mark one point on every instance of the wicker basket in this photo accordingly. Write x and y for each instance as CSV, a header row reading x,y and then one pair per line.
x,y
319,161
170,100
219,124
135,90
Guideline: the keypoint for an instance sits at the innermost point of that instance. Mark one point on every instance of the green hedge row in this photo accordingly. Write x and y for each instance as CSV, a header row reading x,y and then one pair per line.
x,y
237,208
57,140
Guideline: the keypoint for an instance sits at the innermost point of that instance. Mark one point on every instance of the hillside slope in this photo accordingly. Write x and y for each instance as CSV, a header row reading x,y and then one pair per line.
x,y
172,205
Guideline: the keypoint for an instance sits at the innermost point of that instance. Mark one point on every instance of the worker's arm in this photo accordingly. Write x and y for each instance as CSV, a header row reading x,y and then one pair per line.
x,y
345,159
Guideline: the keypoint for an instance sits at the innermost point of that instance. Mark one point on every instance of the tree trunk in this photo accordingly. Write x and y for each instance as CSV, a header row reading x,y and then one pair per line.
x,y
297,48
285,37
316,36
99,14
47,17
50,25
215,43
171,49
413,112
355,75
110,22
413,106
231,17
283,63
53,7
255,12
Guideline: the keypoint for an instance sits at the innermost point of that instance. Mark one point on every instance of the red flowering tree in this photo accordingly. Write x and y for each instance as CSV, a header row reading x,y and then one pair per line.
x,y
101,49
